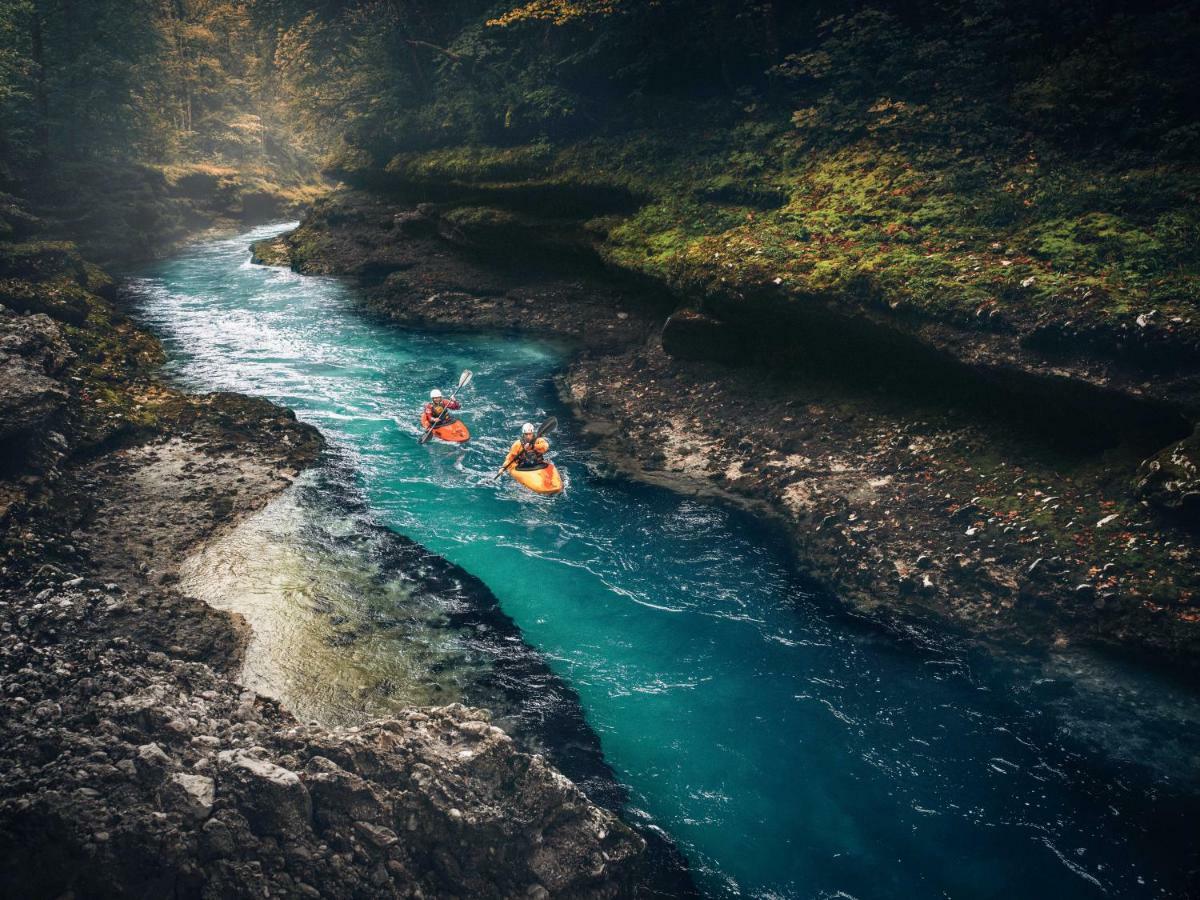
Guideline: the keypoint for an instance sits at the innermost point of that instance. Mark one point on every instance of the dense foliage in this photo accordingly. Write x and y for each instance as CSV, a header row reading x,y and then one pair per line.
x,y
974,156
419,73
202,78
135,81
989,162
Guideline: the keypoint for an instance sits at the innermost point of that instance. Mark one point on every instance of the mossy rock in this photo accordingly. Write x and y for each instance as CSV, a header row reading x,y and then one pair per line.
x,y
42,260
482,226
474,164
271,252
100,282
16,223
59,298
350,164
1170,480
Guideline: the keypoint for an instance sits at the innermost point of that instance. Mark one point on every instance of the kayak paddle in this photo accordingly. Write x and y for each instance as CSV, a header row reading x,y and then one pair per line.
x,y
463,381
548,426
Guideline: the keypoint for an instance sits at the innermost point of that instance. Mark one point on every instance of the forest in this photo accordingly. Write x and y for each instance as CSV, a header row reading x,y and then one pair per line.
x,y
1067,129
183,80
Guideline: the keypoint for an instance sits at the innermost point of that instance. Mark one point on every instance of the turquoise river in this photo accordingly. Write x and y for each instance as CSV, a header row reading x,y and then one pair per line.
x,y
787,748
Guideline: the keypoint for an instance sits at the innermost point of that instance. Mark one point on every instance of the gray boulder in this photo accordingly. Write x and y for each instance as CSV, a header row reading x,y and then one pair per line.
x,y
274,799
190,795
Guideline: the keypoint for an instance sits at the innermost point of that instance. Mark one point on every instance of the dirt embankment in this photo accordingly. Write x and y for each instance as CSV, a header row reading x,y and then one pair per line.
x,y
911,482
131,763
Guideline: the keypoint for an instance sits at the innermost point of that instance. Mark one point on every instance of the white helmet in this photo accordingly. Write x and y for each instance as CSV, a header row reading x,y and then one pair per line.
x,y
528,428
435,394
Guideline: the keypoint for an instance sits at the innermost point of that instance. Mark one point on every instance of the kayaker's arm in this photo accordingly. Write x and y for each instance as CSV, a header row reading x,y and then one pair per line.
x,y
512,455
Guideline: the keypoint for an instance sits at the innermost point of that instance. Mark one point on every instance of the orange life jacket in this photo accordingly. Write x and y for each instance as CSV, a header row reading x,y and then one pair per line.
x,y
528,454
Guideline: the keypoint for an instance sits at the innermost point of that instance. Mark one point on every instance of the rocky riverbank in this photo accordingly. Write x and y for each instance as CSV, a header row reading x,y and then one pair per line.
x,y
131,762
919,488
416,268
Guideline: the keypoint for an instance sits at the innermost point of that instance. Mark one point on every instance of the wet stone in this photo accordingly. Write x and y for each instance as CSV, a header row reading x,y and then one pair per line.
x,y
191,795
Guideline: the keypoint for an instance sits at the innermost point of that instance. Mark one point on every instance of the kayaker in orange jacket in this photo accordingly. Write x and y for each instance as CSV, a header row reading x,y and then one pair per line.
x,y
438,408
528,452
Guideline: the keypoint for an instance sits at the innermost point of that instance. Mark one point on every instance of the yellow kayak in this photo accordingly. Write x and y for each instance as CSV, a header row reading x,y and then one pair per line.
x,y
543,479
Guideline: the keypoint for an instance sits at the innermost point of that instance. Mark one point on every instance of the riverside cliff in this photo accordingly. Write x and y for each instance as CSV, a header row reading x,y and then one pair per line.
x,y
132,762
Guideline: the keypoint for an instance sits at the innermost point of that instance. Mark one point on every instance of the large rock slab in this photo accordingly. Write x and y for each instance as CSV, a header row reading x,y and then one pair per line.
x,y
33,353
190,795
276,800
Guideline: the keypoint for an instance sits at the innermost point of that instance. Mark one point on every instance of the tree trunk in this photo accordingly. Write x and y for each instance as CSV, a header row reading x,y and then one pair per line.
x,y
41,96
720,33
407,39
176,15
770,31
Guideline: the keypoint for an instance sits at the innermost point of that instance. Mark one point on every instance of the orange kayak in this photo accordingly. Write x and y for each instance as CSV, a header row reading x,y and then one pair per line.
x,y
543,479
455,432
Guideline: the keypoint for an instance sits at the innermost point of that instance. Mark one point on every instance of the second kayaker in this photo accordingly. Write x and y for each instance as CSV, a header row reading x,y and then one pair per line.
x,y
438,408
529,451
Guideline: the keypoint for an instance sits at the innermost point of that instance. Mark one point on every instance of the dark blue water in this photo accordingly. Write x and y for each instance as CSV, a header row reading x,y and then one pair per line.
x,y
789,750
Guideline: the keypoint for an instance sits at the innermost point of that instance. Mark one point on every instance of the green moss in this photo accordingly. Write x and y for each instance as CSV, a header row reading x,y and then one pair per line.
x,y
1095,240
97,281
475,217
892,222
60,298
271,252
473,164
41,260
112,364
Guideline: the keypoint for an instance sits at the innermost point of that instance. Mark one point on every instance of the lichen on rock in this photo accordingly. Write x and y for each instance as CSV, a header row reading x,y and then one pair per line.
x,y
1170,480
